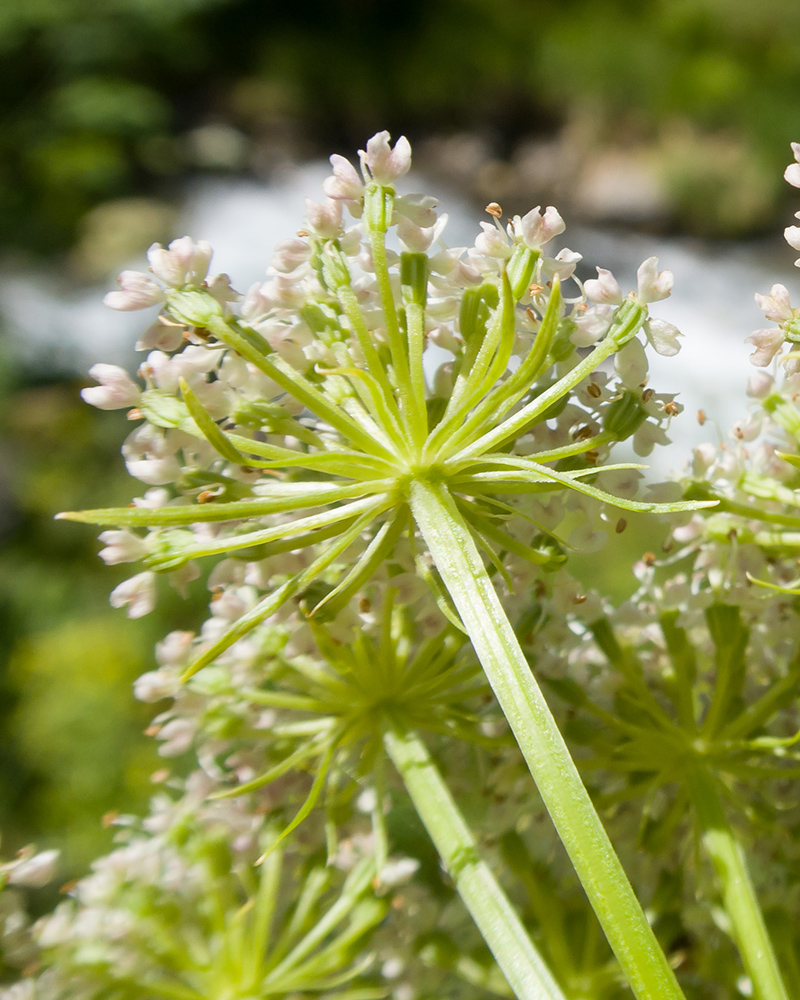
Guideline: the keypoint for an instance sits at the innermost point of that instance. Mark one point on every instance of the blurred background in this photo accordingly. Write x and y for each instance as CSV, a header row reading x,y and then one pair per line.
x,y
655,127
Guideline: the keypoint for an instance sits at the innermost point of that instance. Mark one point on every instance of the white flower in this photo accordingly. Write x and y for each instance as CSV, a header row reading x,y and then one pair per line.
x,y
384,163
184,263
663,337
324,220
563,264
33,870
630,363
177,735
604,288
345,183
156,685
792,172
121,547
116,389
653,285
137,291
776,306
767,343
535,229
138,594
492,242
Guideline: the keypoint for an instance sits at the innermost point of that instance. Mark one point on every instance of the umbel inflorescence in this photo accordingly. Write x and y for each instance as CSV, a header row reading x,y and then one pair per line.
x,y
298,417
304,438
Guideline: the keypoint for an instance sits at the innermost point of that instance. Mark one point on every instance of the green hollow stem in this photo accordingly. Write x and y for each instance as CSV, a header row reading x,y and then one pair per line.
x,y
521,964
462,571
736,887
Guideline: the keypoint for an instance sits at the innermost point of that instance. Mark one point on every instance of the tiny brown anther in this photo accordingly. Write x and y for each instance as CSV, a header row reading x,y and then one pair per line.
x,y
535,289
579,599
620,526
701,417
302,233
160,776
649,559
594,390
364,605
494,210
110,818
152,731
68,886
647,395
592,456
671,409
134,414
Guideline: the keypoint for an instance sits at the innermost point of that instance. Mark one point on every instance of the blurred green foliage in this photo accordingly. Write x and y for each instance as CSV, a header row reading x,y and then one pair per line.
x,y
102,101
70,728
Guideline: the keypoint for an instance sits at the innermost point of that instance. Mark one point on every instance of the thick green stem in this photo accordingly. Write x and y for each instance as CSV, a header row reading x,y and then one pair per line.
x,y
463,573
736,887
520,962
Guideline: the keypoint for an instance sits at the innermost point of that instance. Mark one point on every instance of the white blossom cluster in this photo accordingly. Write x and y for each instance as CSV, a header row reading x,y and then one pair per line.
x,y
301,320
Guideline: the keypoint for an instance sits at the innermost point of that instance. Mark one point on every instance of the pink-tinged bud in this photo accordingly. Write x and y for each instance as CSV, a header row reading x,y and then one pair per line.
x,y
386,164
184,263
324,220
536,229
792,173
776,306
116,389
414,238
121,547
345,184
290,255
654,285
138,595
137,291
604,288
767,343
417,208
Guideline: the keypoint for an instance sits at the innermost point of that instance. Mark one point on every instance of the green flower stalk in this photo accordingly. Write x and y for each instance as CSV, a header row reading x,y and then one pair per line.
x,y
306,419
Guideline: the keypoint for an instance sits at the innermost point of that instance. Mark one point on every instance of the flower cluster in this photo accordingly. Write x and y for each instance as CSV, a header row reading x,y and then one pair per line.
x,y
321,373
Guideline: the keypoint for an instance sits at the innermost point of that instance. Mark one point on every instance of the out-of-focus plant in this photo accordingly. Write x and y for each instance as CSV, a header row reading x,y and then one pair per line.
x,y
105,102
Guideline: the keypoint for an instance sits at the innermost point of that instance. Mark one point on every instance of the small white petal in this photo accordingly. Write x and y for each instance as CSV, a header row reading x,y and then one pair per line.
x,y
138,594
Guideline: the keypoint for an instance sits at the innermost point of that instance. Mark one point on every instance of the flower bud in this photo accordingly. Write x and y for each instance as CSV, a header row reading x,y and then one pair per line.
x,y
624,416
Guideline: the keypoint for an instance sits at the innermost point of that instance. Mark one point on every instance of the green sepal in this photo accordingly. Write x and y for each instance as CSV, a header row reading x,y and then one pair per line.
x,y
625,415
163,409
194,307
414,277
520,269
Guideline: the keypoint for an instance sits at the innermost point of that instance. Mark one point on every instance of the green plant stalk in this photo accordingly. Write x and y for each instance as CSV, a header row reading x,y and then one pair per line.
x,y
520,962
463,573
736,887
